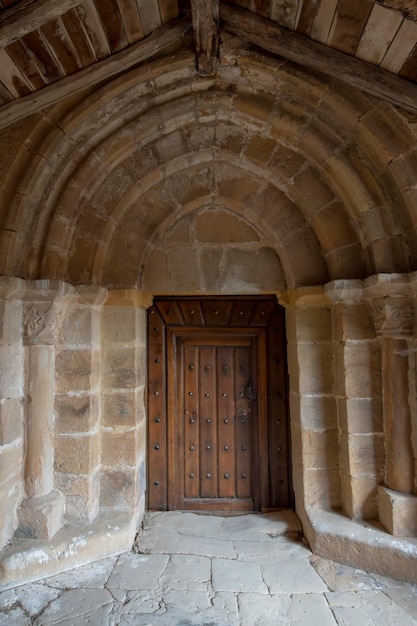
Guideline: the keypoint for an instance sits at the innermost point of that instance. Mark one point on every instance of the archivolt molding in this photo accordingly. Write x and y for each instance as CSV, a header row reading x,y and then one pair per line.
x,y
138,133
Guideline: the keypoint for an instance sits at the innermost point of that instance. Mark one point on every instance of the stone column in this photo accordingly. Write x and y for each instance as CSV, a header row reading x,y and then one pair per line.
x,y
314,431
41,513
393,311
358,393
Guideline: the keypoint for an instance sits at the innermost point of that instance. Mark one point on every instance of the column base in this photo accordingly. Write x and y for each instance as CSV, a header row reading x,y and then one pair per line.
x,y
397,512
41,517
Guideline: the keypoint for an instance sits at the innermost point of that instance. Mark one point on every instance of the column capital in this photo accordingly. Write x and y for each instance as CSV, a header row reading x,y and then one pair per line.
x,y
43,307
344,291
303,297
391,300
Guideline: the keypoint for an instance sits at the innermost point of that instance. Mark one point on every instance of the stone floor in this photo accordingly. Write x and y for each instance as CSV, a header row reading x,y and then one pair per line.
x,y
189,569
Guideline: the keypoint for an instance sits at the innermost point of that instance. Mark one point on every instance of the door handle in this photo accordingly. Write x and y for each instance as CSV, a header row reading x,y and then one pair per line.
x,y
249,392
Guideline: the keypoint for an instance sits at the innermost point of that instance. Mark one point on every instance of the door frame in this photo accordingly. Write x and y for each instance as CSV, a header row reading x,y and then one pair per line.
x,y
168,312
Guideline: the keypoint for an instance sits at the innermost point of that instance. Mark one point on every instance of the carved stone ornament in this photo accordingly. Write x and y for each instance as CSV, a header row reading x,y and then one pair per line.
x,y
393,316
40,322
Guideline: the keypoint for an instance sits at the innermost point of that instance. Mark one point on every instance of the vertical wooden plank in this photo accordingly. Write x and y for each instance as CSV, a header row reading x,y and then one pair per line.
x,y
5,95
284,12
208,426
243,426
61,46
401,47
225,413
409,69
168,10
278,436
76,32
94,29
42,56
131,20
323,20
24,62
348,24
382,26
11,76
307,12
261,405
112,23
263,7
149,15
190,453
157,414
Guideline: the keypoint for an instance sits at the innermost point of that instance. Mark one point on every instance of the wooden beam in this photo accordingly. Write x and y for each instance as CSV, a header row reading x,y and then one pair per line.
x,y
295,47
205,18
18,21
92,75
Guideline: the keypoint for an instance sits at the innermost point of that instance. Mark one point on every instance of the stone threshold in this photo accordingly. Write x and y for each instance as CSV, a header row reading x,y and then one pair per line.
x,y
28,560
364,545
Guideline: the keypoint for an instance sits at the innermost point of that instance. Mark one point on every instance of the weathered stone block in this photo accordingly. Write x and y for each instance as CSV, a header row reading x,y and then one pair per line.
x,y
41,517
313,324
360,415
359,496
73,370
11,489
119,367
319,487
81,495
118,324
316,412
309,190
397,512
353,322
362,455
11,371
259,149
363,376
118,448
10,327
318,450
11,420
75,414
78,454
316,367
118,489
76,327
218,226
257,105
119,409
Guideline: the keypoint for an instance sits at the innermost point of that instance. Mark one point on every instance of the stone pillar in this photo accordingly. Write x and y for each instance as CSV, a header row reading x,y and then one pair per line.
x,y
41,513
123,424
393,312
358,393
11,405
313,412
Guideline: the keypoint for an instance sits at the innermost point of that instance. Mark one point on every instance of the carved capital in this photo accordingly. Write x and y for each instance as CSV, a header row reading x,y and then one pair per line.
x,y
393,316
344,291
41,321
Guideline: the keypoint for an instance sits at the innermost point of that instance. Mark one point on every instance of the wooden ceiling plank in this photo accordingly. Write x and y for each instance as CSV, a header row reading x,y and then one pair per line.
x,y
308,10
11,77
131,20
19,54
284,12
348,25
168,10
263,7
42,56
297,48
113,24
76,32
409,69
205,18
94,29
401,47
93,75
149,15
323,20
382,27
61,46
18,22
5,95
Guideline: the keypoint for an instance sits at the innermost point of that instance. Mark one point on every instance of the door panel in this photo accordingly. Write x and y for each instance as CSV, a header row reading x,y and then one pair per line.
x,y
218,434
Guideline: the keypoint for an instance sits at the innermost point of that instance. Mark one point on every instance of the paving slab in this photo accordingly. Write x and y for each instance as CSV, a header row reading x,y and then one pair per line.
x,y
138,571
237,576
284,610
270,551
78,606
292,576
340,577
187,572
162,541
91,576
368,608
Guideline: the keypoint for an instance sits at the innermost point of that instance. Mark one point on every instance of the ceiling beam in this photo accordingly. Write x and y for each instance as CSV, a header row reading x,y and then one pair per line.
x,y
91,76
205,18
295,47
26,17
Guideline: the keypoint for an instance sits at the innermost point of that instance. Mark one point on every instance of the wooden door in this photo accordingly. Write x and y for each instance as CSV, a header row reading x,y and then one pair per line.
x,y
213,430
218,436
